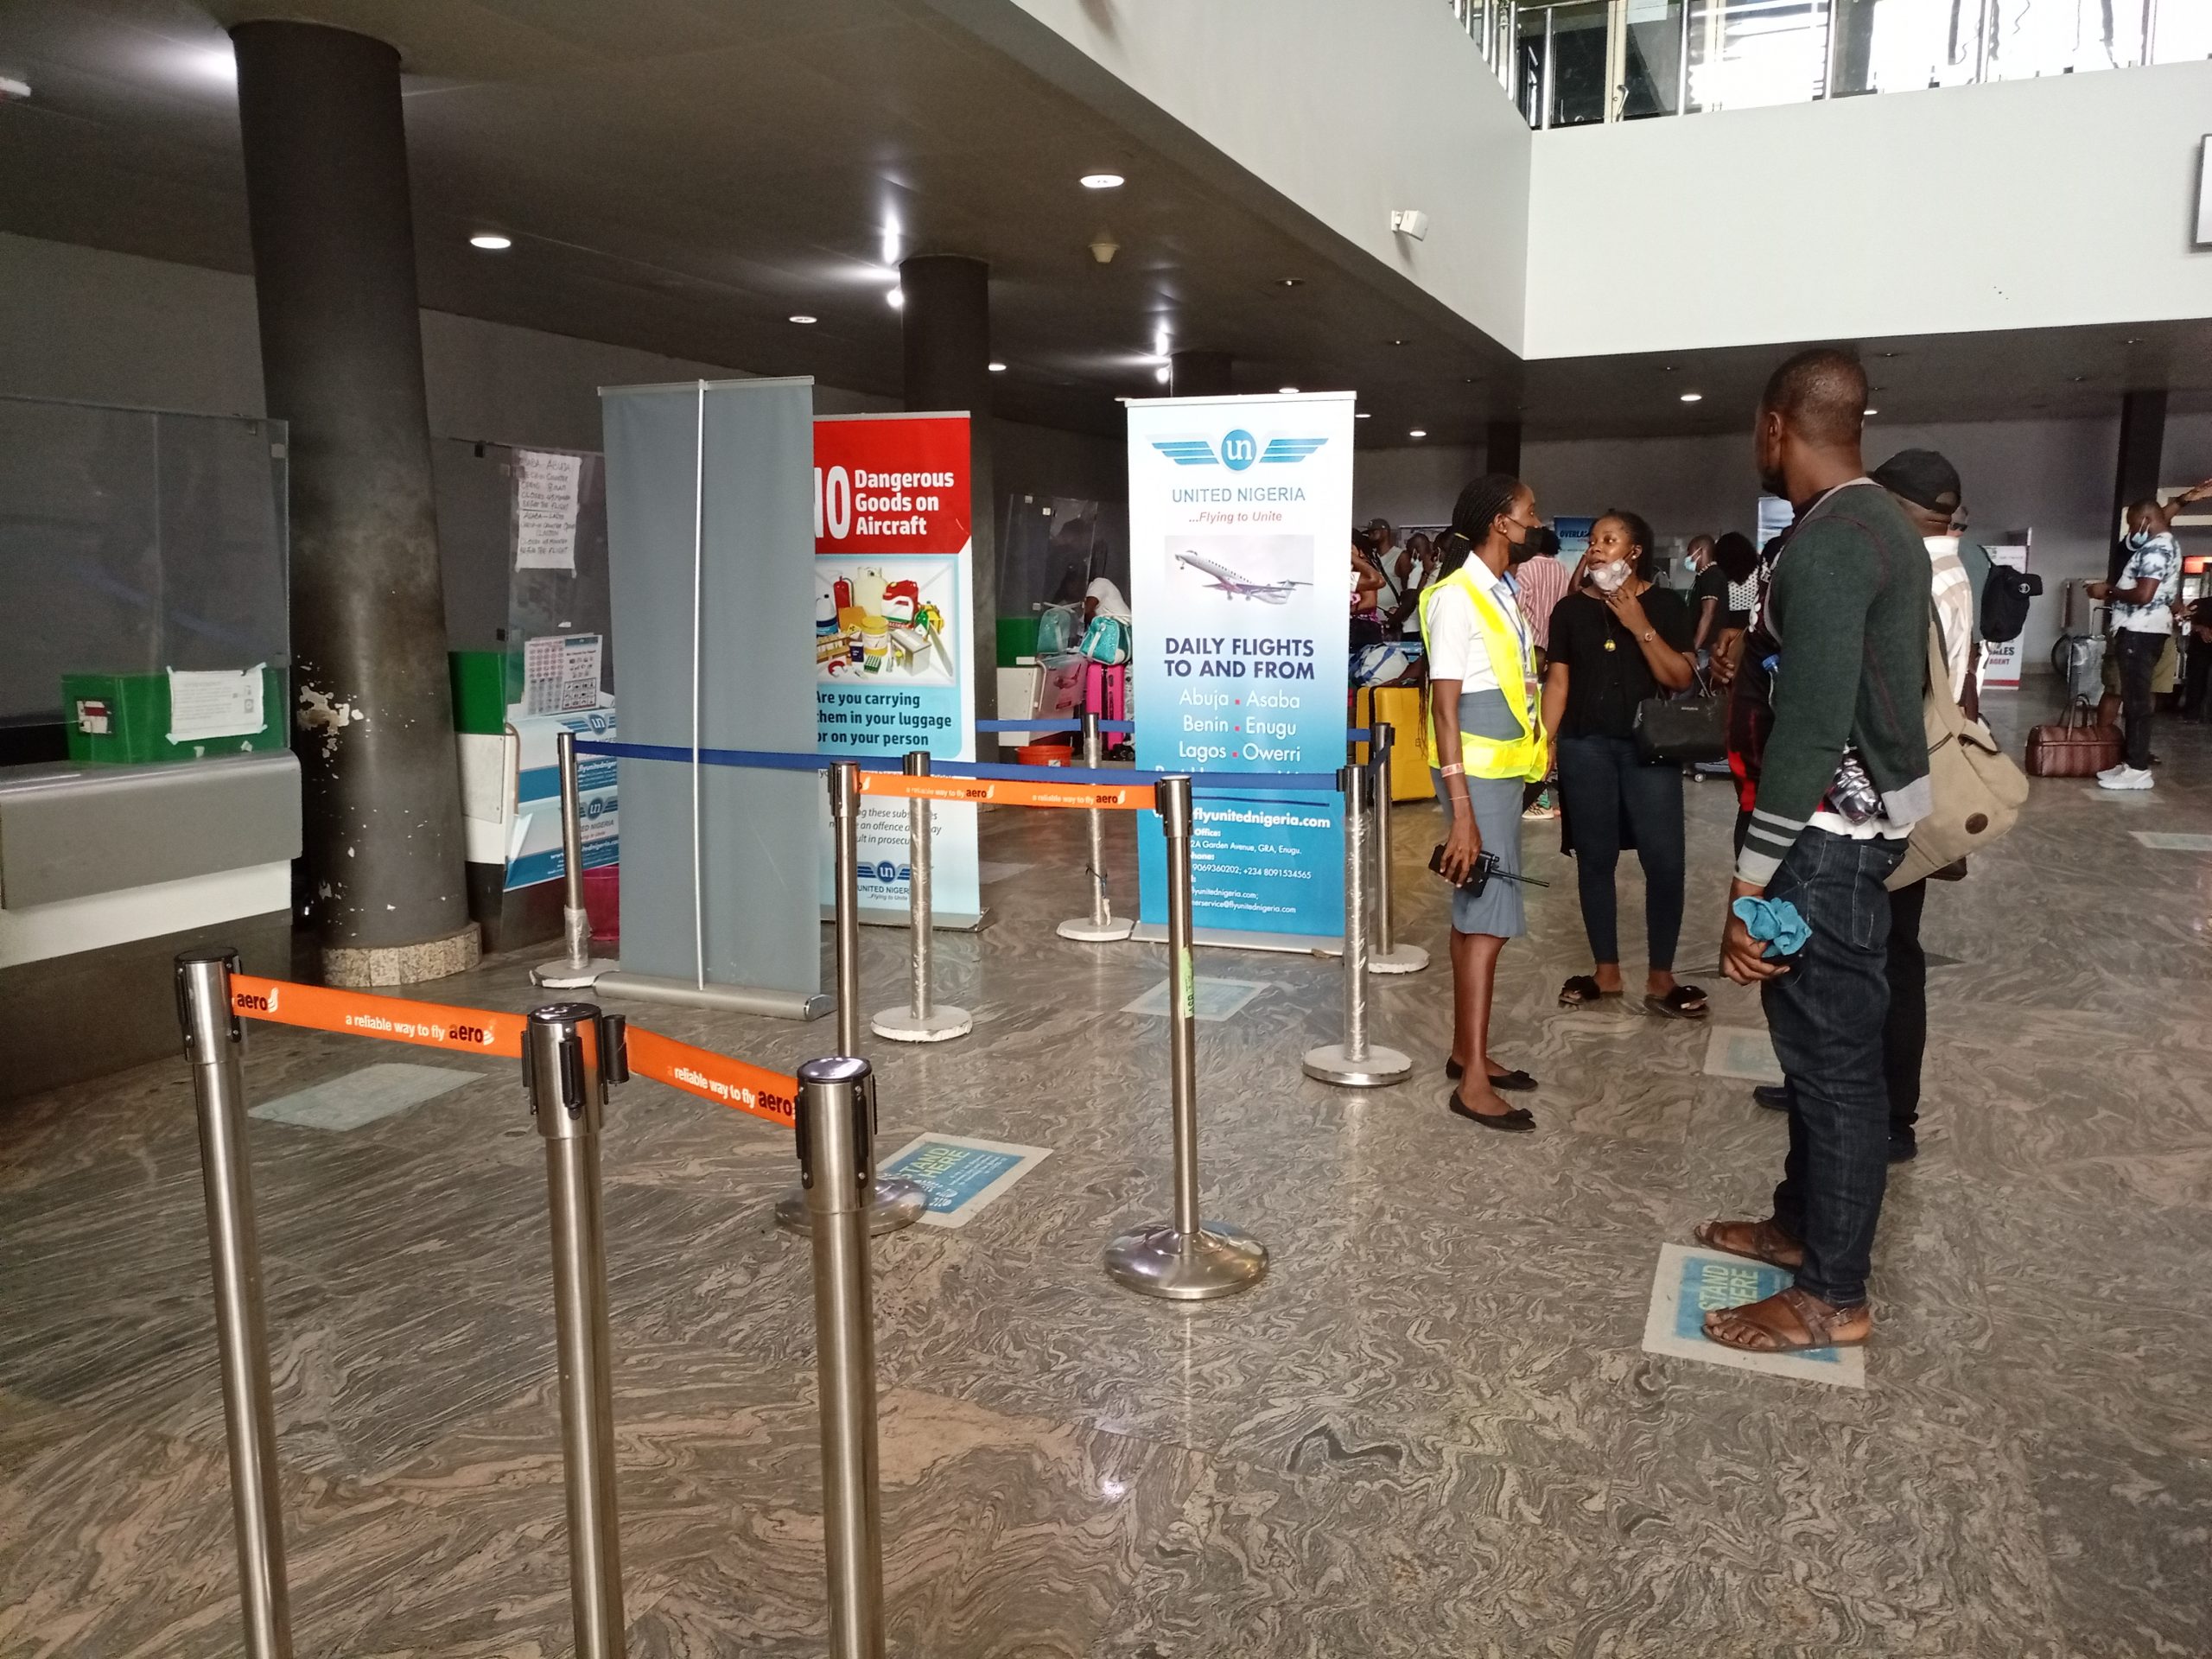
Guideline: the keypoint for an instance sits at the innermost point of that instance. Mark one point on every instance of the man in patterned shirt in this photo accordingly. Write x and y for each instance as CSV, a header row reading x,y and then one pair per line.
x,y
2140,606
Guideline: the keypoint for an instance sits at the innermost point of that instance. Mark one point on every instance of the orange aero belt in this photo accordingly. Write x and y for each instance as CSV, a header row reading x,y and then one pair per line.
x,y
431,1025
713,1076
1002,791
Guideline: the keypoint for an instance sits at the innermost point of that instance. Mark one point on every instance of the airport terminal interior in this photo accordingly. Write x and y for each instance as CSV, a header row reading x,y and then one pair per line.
x,y
434,438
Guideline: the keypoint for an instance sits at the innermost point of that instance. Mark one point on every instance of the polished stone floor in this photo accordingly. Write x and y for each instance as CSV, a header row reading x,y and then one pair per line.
x,y
1432,1431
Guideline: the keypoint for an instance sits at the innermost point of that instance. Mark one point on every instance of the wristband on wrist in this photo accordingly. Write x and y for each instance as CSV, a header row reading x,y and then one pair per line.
x,y
1455,769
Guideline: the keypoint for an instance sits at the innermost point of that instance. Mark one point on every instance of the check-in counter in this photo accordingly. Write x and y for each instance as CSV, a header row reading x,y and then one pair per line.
x,y
106,874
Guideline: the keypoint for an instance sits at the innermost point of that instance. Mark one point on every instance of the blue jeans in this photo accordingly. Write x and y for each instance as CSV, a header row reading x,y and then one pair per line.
x,y
1825,1017
1602,783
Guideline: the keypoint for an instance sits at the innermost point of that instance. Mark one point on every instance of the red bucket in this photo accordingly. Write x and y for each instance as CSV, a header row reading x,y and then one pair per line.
x,y
603,898
1046,754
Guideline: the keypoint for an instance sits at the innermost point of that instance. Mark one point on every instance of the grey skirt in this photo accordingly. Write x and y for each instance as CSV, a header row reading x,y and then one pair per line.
x,y
1497,909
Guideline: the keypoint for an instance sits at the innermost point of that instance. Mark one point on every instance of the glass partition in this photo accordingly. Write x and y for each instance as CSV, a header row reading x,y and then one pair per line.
x,y
139,545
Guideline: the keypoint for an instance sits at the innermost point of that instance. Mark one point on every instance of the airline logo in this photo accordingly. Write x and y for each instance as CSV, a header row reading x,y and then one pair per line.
x,y
1238,450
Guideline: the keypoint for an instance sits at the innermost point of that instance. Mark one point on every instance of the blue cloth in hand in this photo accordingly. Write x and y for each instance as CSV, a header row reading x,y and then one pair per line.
x,y
1776,921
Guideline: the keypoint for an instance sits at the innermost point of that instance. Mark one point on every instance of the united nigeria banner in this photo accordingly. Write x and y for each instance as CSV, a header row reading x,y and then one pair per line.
x,y
1240,524
893,637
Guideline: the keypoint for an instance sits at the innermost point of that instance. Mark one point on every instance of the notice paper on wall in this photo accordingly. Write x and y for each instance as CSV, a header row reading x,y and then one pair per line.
x,y
219,702
560,673
547,489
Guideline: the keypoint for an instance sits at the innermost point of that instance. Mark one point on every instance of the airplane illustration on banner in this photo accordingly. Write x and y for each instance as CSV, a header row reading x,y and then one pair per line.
x,y
1228,581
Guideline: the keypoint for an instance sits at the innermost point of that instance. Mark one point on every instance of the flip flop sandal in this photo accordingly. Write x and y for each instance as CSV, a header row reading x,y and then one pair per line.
x,y
1767,1243
1819,1327
1581,991
1511,1083
1683,1002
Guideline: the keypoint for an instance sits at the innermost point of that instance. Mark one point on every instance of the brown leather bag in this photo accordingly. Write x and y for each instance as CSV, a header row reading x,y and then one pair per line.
x,y
2075,748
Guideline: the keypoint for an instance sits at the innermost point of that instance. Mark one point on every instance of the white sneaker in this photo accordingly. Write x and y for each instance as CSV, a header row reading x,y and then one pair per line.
x,y
2126,778
2113,771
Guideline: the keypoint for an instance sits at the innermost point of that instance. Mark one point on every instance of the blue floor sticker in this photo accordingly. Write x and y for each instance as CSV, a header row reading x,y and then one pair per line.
x,y
1690,1283
962,1176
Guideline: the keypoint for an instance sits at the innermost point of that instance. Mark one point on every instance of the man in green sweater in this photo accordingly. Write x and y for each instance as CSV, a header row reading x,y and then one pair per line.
x,y
1828,721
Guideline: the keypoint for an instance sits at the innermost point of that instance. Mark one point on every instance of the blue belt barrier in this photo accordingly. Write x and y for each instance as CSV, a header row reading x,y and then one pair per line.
x,y
1203,783
1051,725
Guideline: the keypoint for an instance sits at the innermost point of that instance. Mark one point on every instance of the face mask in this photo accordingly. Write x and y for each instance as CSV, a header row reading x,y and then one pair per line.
x,y
1608,578
2139,539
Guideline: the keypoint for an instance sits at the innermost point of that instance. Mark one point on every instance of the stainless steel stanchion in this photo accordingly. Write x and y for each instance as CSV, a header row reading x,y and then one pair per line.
x,y
891,1204
924,1019
836,1135
1099,927
1389,956
1185,1260
1352,1061
579,968
213,1040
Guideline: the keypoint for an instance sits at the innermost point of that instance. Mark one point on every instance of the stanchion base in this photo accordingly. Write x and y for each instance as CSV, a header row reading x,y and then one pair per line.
x,y
1380,1066
1399,959
1083,930
561,975
892,1204
1216,1261
941,1024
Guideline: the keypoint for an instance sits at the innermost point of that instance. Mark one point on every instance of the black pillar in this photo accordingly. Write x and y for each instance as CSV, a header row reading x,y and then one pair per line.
x,y
1199,374
342,357
948,347
1501,448
2136,474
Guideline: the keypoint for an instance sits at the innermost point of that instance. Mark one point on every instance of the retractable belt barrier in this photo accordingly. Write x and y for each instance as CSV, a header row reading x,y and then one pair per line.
x,y
571,1055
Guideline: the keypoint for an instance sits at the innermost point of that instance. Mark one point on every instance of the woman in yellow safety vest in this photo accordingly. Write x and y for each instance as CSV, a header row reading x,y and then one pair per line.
x,y
1485,740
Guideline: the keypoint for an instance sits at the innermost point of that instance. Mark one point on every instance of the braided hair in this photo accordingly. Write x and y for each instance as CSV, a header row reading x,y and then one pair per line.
x,y
1479,506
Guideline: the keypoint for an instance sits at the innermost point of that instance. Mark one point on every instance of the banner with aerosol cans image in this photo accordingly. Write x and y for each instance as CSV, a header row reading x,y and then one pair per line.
x,y
893,638
1240,517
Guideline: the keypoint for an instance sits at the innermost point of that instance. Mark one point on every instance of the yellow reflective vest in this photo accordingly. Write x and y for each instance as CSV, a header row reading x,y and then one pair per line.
x,y
1512,650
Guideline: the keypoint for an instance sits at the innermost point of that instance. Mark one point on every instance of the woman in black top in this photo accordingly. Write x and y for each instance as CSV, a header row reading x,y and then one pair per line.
x,y
1616,640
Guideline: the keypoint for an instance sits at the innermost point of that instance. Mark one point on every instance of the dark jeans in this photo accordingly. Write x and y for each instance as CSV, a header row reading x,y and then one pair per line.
x,y
1601,780
1904,1033
1825,1017
2196,680
2138,658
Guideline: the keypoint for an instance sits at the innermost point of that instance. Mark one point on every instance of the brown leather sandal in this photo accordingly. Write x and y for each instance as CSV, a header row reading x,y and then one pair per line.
x,y
1755,1240
1824,1327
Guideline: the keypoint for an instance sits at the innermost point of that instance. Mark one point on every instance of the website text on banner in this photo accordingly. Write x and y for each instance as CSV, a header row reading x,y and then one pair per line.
x,y
1240,515
894,634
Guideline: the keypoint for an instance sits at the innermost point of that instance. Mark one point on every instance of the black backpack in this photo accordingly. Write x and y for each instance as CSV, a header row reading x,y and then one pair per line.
x,y
2004,602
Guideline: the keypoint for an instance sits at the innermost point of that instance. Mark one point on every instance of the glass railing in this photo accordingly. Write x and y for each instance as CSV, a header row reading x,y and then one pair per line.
x,y
1577,62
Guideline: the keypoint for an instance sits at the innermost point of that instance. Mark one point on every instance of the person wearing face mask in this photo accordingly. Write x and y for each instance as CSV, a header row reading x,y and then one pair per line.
x,y
1485,742
2139,603
1616,640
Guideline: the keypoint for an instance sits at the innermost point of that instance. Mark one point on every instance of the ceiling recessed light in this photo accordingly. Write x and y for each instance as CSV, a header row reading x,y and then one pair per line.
x,y
1287,391
995,368
1872,411
1361,415
1163,374
2077,378
491,241
2133,340
1418,432
1692,397
1290,282
10,87
895,298
1100,180
801,316
1397,342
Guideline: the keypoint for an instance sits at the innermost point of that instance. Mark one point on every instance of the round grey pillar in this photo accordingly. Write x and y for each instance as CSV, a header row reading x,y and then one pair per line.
x,y
1199,374
341,357
947,315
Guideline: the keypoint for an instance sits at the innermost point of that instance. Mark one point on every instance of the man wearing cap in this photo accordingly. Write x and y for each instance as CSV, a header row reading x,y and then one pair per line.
x,y
1926,489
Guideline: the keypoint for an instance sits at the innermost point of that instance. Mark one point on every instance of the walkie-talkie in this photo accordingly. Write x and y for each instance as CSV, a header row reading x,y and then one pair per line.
x,y
1486,865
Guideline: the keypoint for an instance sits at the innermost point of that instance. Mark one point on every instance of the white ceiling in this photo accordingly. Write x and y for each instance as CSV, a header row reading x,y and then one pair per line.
x,y
681,175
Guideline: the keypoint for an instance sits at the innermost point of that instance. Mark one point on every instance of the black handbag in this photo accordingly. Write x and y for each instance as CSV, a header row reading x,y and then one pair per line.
x,y
1689,727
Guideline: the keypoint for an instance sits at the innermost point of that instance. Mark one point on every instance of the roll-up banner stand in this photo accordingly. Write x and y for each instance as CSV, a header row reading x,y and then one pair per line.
x,y
1240,525
894,639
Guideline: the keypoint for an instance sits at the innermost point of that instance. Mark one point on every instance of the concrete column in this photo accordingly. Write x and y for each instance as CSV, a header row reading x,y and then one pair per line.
x,y
341,356
948,349
2136,473
1199,374
1501,448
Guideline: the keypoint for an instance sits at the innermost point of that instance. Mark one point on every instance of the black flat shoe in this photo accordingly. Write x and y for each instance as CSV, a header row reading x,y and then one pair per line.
x,y
1516,1122
1512,1083
1775,1096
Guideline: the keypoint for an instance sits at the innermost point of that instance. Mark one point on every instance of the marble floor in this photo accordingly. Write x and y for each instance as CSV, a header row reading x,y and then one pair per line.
x,y
1432,1431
